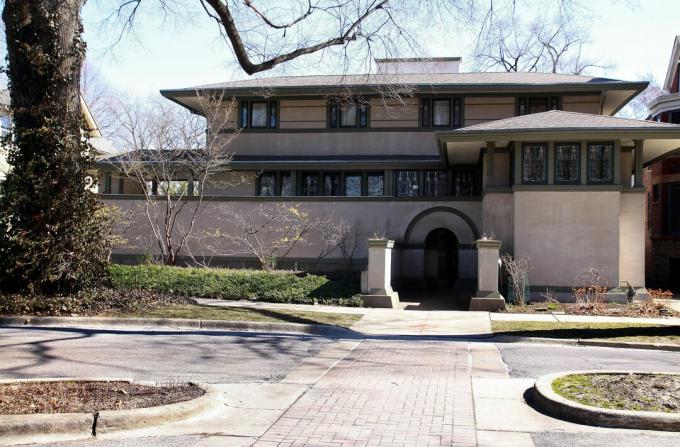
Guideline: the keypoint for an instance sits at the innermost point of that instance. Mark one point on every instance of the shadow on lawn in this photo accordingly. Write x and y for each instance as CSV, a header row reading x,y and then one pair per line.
x,y
645,331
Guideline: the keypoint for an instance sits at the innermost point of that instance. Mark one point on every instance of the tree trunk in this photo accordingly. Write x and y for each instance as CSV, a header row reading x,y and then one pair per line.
x,y
52,240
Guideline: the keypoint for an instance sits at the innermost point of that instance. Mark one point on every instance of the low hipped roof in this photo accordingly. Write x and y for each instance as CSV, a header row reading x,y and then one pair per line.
x,y
619,92
558,125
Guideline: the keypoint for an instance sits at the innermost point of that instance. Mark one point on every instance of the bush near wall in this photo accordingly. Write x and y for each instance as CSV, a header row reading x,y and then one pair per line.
x,y
231,284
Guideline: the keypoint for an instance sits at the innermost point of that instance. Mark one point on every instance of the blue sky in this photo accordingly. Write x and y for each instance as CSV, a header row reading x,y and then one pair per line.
x,y
187,50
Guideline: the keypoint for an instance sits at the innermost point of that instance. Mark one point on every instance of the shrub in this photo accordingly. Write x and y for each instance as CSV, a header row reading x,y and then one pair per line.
x,y
231,284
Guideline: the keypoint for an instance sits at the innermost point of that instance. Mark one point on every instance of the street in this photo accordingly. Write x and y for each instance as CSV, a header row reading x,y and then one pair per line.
x,y
387,392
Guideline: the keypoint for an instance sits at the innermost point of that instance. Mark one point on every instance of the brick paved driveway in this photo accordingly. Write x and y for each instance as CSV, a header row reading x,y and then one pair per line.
x,y
385,393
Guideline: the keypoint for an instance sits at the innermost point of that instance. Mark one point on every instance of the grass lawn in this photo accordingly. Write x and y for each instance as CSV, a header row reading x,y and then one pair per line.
x,y
631,332
197,312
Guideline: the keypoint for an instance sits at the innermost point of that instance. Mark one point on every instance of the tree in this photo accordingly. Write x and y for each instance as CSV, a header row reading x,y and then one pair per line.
x,y
553,42
638,107
172,158
50,237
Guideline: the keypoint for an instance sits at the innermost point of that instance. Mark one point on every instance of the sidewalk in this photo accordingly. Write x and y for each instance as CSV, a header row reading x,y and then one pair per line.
x,y
563,318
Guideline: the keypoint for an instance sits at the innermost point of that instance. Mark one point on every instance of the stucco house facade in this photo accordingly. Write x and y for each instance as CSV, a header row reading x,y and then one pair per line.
x,y
534,159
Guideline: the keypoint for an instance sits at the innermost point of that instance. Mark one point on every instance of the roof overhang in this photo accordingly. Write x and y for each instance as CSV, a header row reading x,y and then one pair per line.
x,y
613,96
463,146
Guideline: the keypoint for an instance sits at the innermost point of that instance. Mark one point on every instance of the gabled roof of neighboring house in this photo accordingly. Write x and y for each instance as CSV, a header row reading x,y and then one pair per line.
x,y
480,82
558,125
671,72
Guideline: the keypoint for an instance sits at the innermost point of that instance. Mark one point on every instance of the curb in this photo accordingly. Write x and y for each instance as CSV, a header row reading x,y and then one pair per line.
x,y
584,342
181,323
71,426
555,405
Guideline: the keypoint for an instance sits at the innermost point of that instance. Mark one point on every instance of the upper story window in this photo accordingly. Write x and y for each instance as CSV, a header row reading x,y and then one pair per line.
x,y
600,162
347,113
567,162
440,112
537,104
258,114
534,162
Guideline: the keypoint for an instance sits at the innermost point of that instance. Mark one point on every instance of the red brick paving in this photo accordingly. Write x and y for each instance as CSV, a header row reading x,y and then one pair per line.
x,y
385,394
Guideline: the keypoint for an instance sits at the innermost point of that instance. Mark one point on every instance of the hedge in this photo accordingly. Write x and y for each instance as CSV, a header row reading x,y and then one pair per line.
x,y
232,284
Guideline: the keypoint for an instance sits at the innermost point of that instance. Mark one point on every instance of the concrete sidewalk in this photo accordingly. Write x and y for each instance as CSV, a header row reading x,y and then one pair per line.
x,y
563,318
424,323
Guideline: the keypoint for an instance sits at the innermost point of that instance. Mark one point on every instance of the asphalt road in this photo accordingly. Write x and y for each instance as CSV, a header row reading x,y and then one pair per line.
x,y
533,360
211,357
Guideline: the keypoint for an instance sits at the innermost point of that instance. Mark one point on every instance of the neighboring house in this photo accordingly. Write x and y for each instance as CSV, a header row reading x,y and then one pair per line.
x,y
535,159
663,189
102,146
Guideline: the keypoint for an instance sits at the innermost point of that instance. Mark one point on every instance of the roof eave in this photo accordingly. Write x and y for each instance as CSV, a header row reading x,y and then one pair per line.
x,y
534,134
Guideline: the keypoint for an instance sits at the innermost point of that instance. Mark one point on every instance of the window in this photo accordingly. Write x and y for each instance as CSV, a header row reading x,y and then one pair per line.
x,y
435,183
537,104
353,185
656,192
674,117
567,163
534,163
352,113
121,185
440,112
310,184
463,183
331,184
267,185
107,184
376,184
673,209
258,114
600,161
287,185
407,184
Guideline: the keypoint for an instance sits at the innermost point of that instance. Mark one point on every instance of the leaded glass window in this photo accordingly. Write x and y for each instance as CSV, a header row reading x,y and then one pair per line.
x,y
376,184
267,186
600,161
435,183
566,163
441,112
331,184
407,183
463,183
353,185
287,185
310,185
534,163
258,114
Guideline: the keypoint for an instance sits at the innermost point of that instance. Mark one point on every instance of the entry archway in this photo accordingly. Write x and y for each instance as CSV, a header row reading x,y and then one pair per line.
x,y
441,258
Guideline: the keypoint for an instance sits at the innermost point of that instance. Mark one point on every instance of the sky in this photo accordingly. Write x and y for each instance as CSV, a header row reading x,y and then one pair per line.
x,y
632,37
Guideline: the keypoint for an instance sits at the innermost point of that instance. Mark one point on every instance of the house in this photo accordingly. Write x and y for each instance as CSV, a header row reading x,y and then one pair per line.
x,y
663,189
102,146
535,159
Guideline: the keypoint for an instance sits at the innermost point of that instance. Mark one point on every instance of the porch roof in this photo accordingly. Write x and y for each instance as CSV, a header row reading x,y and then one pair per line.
x,y
556,125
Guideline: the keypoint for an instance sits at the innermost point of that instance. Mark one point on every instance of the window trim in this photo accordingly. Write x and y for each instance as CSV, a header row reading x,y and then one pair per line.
x,y
526,100
545,164
613,164
272,108
578,163
455,120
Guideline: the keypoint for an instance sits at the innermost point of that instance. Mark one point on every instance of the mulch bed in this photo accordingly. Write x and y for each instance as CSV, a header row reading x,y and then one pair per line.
x,y
89,397
638,392
636,309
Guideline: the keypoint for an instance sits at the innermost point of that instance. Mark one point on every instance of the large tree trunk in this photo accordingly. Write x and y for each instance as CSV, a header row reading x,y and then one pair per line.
x,y
52,240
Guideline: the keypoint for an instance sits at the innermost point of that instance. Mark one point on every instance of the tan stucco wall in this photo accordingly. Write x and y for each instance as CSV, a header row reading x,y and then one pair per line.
x,y
497,218
581,103
488,108
366,218
564,232
632,239
339,142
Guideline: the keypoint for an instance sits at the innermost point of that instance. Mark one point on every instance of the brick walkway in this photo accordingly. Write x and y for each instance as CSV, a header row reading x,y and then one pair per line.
x,y
385,394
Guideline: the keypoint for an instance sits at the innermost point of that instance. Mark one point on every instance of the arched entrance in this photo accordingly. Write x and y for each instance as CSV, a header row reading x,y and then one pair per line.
x,y
441,258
